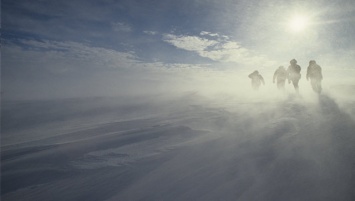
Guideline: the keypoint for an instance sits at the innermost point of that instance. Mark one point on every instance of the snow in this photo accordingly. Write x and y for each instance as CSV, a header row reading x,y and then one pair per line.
x,y
183,147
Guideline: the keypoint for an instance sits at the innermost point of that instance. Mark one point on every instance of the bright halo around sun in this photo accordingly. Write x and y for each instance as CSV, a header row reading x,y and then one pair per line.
x,y
298,23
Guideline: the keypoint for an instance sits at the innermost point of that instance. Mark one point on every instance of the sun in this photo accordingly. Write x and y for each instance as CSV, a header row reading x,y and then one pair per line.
x,y
298,23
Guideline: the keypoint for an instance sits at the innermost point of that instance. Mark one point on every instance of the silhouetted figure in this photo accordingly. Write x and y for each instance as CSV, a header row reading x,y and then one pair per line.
x,y
256,80
314,72
294,73
280,76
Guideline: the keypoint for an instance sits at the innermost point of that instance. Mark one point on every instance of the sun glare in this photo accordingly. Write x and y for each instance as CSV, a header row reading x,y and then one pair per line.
x,y
298,23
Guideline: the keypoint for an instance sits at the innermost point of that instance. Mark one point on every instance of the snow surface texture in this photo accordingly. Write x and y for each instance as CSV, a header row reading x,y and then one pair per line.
x,y
179,148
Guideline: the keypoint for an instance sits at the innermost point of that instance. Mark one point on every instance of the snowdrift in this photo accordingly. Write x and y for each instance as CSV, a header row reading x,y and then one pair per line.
x,y
179,148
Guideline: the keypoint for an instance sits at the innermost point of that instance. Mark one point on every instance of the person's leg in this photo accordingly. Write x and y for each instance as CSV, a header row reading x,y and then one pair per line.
x,y
316,85
281,84
295,84
255,85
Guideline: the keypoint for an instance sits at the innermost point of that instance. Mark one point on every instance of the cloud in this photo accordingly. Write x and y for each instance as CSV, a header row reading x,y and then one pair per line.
x,y
150,32
220,49
121,27
56,56
203,33
191,43
54,19
46,68
67,56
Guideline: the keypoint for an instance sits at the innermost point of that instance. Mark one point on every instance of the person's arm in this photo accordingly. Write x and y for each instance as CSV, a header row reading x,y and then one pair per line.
x,y
308,72
273,79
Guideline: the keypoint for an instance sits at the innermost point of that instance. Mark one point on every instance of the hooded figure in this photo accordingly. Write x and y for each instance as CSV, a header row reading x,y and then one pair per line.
x,y
256,80
280,76
294,73
314,72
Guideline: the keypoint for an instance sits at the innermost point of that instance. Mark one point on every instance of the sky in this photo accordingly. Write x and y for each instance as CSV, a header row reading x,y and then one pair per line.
x,y
54,49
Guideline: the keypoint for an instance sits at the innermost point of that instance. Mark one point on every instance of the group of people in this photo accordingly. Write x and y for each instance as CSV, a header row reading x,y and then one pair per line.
x,y
292,74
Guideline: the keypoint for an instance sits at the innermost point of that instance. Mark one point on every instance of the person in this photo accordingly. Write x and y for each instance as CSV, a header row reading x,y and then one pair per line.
x,y
294,74
314,72
280,76
256,80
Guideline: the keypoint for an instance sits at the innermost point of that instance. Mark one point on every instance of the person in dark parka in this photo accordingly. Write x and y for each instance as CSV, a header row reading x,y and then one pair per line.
x,y
314,72
294,74
256,80
280,76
